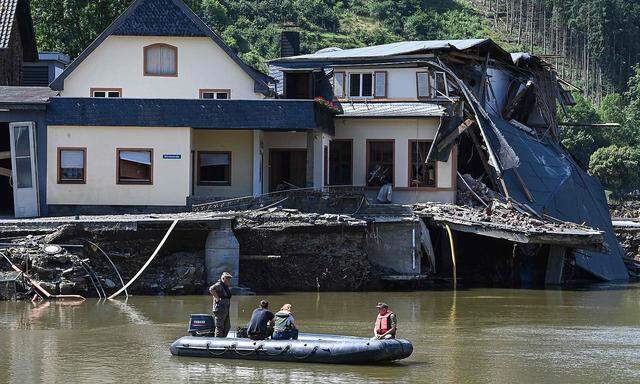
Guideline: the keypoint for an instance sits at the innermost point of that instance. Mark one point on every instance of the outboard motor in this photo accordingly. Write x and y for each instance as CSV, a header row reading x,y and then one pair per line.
x,y
201,325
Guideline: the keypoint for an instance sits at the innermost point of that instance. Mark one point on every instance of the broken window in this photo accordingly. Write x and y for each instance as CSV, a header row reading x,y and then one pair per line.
x,y
341,162
380,162
440,80
135,166
298,85
214,168
218,94
421,174
360,84
160,60
71,165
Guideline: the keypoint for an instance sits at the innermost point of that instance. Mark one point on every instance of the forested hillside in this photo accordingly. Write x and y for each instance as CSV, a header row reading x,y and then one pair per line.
x,y
592,43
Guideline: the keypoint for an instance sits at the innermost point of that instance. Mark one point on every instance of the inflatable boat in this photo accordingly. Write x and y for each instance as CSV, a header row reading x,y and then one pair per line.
x,y
309,348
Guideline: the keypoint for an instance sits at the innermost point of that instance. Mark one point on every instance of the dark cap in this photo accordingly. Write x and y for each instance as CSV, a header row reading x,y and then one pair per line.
x,y
382,305
264,304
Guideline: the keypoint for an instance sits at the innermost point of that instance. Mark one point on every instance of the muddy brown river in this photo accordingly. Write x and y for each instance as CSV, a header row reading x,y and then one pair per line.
x,y
470,336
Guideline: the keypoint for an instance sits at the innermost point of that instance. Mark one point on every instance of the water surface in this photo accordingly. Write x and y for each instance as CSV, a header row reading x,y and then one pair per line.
x,y
474,336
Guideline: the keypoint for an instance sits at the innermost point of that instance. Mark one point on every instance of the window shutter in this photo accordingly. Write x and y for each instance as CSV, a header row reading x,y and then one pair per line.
x,y
381,84
338,84
422,79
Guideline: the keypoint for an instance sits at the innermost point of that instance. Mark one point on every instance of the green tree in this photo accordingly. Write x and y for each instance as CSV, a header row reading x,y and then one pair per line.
x,y
617,168
582,142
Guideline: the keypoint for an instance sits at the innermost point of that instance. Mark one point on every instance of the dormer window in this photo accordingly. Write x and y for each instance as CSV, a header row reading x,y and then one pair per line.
x,y
161,60
360,84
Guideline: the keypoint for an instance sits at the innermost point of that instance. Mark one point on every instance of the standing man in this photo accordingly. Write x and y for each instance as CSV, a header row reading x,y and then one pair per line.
x,y
221,292
386,323
261,324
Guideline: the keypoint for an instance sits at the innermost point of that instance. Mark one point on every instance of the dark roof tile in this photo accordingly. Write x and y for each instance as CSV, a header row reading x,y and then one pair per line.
x,y
158,18
7,17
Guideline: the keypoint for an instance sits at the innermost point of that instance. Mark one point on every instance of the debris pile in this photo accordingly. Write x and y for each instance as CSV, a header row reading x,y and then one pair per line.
x,y
278,218
54,268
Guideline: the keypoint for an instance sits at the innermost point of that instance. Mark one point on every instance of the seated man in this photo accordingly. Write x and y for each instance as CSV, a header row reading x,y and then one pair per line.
x,y
261,324
386,323
285,328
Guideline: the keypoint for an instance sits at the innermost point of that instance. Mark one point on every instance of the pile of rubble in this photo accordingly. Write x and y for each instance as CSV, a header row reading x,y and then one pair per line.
x,y
495,215
57,270
626,210
278,219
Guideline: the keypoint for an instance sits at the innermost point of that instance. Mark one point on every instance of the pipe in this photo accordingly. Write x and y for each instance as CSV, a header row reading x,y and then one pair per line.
x,y
126,294
453,257
155,253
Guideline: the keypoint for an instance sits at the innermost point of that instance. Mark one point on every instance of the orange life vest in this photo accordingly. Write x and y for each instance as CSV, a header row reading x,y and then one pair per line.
x,y
383,323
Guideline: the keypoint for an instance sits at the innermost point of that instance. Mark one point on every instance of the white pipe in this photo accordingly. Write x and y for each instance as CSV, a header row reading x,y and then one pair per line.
x,y
155,253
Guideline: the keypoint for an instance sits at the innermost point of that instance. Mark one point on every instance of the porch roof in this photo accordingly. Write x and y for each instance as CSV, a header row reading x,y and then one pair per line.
x,y
392,109
270,114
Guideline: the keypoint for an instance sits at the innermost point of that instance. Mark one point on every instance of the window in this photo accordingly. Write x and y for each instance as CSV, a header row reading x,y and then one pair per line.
x,y
160,60
338,84
72,165
421,174
380,154
422,83
135,166
106,92
341,162
214,168
219,94
360,84
440,80
380,84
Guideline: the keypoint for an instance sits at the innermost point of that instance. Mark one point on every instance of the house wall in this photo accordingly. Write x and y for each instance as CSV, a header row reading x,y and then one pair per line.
x,y
400,130
119,63
401,82
170,176
240,144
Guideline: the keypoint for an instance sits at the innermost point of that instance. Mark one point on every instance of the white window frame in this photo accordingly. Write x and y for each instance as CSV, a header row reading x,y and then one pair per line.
x,y
435,84
106,93
216,93
373,91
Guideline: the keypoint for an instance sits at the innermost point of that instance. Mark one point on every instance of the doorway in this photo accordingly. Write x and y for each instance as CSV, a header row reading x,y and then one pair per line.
x,y
288,169
6,189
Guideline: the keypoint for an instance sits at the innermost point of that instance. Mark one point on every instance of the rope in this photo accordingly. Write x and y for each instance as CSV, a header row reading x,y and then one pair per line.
x,y
155,253
284,350
226,348
307,355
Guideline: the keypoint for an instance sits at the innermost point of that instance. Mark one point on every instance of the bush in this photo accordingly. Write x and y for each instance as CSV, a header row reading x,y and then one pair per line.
x,y
617,167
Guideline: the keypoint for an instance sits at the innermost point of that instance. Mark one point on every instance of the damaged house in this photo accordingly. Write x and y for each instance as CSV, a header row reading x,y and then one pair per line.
x,y
158,114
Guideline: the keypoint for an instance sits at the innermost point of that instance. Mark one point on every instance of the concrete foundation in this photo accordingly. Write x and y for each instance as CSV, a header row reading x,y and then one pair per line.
x,y
555,265
395,246
222,254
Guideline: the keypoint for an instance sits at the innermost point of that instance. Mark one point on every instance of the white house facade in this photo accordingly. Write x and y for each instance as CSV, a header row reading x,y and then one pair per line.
x,y
158,113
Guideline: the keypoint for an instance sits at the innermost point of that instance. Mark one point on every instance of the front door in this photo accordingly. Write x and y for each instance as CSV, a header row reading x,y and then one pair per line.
x,y
24,171
288,169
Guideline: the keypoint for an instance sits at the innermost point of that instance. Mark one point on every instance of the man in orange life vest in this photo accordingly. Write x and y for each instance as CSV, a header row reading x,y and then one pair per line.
x,y
386,323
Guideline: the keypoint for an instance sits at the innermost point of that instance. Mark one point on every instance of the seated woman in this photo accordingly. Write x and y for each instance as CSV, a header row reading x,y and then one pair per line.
x,y
285,328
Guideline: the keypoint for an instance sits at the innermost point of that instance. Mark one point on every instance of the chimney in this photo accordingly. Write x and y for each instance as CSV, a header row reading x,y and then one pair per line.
x,y
289,43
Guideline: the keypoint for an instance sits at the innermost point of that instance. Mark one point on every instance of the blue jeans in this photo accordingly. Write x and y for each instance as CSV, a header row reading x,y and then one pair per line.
x,y
291,334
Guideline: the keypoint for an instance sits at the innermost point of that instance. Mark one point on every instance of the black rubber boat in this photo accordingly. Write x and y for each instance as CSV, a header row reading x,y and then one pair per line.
x,y
309,348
